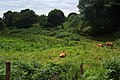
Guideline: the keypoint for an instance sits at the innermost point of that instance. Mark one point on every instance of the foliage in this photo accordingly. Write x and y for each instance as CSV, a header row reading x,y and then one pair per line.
x,y
76,23
16,20
2,70
23,19
108,70
70,71
113,68
28,17
1,24
71,14
42,19
49,71
116,35
7,18
34,54
35,40
53,32
67,35
102,15
25,71
94,74
34,70
117,42
55,18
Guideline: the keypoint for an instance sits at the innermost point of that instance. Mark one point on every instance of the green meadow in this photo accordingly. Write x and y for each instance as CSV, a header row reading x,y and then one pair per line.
x,y
26,47
33,43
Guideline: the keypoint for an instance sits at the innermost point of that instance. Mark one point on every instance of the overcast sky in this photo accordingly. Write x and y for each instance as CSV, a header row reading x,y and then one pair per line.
x,y
39,6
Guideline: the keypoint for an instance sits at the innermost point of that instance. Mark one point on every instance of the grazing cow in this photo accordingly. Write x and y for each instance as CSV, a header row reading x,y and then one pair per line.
x,y
100,45
62,54
109,44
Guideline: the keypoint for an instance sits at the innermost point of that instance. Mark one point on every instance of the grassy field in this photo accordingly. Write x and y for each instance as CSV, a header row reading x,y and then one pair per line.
x,y
45,46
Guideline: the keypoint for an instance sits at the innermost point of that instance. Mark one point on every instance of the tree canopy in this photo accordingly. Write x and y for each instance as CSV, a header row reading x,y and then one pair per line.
x,y
42,19
102,15
8,18
28,17
1,23
23,19
55,18
71,14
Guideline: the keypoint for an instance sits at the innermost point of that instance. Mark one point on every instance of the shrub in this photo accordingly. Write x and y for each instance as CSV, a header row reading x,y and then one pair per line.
x,y
62,34
94,74
117,42
67,35
37,71
116,35
113,68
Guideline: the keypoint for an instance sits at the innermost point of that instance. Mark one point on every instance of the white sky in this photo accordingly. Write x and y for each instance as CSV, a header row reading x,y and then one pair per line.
x,y
39,6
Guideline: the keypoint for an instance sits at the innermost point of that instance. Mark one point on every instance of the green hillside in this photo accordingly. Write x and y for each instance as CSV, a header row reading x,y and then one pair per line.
x,y
44,46
61,46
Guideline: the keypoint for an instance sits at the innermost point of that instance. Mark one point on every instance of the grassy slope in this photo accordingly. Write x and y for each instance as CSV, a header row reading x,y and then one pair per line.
x,y
29,46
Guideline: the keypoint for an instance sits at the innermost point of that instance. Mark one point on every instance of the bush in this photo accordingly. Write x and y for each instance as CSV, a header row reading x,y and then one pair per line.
x,y
67,35
113,68
36,71
117,42
94,74
116,35
62,34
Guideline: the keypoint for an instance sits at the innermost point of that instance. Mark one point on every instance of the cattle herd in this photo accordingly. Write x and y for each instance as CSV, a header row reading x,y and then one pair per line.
x,y
107,44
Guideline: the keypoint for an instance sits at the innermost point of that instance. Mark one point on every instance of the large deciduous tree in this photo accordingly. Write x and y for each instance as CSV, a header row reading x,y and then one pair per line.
x,y
16,19
27,18
23,19
55,18
76,23
102,15
8,18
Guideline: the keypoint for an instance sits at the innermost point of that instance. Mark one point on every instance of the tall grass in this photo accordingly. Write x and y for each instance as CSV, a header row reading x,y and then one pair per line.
x,y
23,47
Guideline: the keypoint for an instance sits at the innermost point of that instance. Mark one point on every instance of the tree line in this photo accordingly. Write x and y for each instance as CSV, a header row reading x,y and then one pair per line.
x,y
101,15
96,17
26,18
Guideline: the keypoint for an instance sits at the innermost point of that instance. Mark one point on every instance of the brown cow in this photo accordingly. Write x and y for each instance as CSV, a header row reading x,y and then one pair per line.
x,y
100,45
62,54
109,44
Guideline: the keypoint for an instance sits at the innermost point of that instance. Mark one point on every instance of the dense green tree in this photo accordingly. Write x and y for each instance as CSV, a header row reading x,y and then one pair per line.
x,y
55,18
102,15
7,18
16,19
71,14
11,19
42,19
1,24
76,23
27,18
23,19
